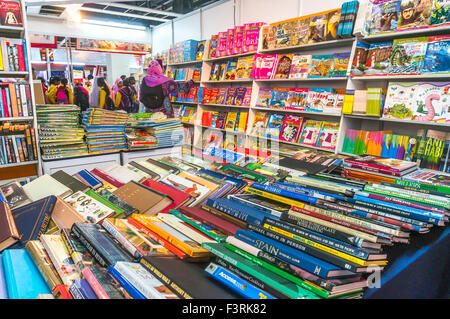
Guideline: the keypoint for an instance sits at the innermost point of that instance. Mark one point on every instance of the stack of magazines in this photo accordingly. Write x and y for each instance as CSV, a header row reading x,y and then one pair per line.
x,y
105,130
60,134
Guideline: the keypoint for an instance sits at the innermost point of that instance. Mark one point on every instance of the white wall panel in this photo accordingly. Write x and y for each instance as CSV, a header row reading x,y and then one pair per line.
x,y
269,11
162,37
313,6
187,28
218,18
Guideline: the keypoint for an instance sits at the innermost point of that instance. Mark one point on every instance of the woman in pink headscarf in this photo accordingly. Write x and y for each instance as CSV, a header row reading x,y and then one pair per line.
x,y
156,88
117,86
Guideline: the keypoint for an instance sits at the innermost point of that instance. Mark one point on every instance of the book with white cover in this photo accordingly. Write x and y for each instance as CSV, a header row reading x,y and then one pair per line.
x,y
123,174
45,186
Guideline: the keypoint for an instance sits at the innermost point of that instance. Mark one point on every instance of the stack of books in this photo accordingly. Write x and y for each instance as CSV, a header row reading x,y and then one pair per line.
x,y
60,132
105,130
261,227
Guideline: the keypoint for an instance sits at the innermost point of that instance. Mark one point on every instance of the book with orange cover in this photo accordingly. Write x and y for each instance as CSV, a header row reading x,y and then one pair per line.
x,y
173,236
13,99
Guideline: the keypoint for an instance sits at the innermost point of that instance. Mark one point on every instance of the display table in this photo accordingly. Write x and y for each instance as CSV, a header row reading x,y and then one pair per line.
x,y
418,270
157,153
73,165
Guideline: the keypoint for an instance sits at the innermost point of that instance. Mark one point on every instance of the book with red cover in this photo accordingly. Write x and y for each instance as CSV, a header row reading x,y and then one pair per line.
x,y
21,55
107,178
179,197
209,219
374,162
11,13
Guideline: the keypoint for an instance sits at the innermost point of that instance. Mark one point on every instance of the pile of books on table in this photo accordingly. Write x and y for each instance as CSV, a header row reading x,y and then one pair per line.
x,y
60,133
264,228
105,130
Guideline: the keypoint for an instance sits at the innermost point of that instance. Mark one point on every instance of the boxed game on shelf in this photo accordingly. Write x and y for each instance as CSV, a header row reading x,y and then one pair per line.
x,y
60,132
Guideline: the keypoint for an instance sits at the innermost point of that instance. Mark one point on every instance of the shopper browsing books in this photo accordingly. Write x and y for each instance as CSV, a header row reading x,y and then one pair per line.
x,y
64,93
101,95
81,97
156,87
126,98
51,93
117,85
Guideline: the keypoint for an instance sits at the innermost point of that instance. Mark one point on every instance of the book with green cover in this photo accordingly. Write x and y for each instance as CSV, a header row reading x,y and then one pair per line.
x,y
276,281
119,211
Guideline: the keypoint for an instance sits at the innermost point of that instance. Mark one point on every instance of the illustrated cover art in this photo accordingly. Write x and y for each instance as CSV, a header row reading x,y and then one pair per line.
x,y
358,67
332,24
378,58
301,29
284,33
244,67
14,195
437,58
264,97
259,124
230,71
279,97
229,142
414,14
222,96
310,133
247,97
328,135
274,126
340,64
291,128
265,66
240,94
440,12
91,209
300,66
320,66
200,50
385,16
317,28
214,139
408,55
231,95
11,13
230,123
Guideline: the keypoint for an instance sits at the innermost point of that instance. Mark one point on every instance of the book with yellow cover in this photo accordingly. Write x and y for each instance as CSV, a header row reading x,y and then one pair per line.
x,y
172,235
60,257
242,123
230,123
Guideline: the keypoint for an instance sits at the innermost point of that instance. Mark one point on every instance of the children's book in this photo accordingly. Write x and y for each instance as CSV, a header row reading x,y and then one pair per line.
x,y
230,123
359,67
384,16
333,18
214,94
264,66
340,64
230,71
229,142
239,98
230,42
283,66
317,28
310,133
264,97
284,32
247,97
414,14
408,55
221,96
214,120
213,139
320,66
317,99
245,67
207,117
213,46
279,97
231,95
259,123
186,113
437,59
221,118
238,38
291,128
200,50
241,125
328,135
440,12
378,58
300,66
274,126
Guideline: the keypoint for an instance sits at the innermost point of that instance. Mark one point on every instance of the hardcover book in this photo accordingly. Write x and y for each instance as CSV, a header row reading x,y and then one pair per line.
x,y
179,197
89,208
259,124
14,195
196,190
9,234
11,13
74,184
46,186
414,14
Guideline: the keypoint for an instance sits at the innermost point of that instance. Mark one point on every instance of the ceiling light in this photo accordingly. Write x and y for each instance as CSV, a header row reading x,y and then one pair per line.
x,y
115,24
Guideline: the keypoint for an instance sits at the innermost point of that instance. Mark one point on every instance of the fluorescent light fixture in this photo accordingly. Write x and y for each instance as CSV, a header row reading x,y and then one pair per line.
x,y
115,24
55,62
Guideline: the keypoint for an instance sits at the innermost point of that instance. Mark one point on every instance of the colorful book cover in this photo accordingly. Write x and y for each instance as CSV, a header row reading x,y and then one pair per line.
x,y
328,136
200,50
231,121
279,97
437,58
229,142
333,19
214,94
231,95
11,13
300,66
408,55
264,66
221,118
221,96
283,66
264,97
230,42
274,126
241,126
385,16
244,67
340,64
291,128
320,66
230,71
240,94
310,133
238,38
414,14
213,139
247,97
440,12
91,209
358,66
317,28
259,124
378,58
213,46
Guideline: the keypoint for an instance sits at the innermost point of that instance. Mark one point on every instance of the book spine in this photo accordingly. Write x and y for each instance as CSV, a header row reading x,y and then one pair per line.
x,y
328,257
136,253
95,285
282,192
235,283
176,288
130,289
295,257
371,169
146,291
197,226
34,144
236,221
369,166
234,212
422,187
75,292
78,234
256,206
180,254
303,235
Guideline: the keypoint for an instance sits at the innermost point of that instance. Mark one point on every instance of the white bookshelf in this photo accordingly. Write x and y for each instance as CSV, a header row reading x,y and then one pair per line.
x,y
22,33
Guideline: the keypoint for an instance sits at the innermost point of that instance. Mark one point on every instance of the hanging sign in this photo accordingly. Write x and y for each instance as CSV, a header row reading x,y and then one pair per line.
x,y
113,46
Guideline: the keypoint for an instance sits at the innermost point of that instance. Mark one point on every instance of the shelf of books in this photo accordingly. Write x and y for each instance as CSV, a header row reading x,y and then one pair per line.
x,y
19,146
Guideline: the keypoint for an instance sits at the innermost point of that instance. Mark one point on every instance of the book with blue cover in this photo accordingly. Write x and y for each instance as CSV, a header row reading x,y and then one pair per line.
x,y
80,289
3,288
274,126
437,58
23,279
132,291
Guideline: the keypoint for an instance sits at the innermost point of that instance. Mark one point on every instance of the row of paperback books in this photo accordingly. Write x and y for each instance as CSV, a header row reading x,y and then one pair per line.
x,y
296,66
15,99
326,100
401,15
185,74
234,69
429,148
17,144
323,26
186,51
229,121
13,55
295,129
240,40
157,229
411,56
